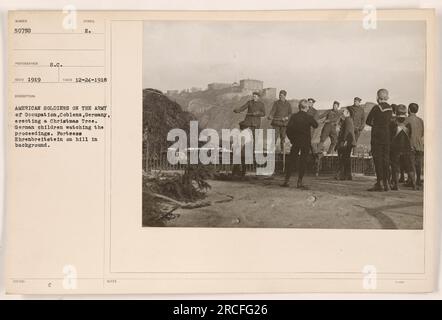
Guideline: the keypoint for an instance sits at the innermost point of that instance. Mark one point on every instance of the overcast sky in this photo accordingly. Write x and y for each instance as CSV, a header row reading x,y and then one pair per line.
x,y
325,60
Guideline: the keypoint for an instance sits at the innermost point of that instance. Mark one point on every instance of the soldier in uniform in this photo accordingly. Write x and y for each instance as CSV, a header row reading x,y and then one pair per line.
x,y
400,149
346,142
299,134
379,120
255,111
279,115
416,140
329,129
358,116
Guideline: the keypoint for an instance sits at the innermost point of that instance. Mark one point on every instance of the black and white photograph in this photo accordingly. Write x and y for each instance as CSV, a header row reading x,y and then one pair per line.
x,y
227,151
283,124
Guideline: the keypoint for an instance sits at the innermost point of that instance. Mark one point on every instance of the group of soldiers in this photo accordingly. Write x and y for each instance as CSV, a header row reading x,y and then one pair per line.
x,y
396,139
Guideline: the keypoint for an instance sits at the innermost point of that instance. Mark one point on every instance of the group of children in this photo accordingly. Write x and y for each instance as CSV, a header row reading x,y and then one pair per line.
x,y
407,147
397,138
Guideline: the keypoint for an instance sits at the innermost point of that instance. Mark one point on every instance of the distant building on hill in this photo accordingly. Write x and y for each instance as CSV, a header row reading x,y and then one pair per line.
x,y
198,106
195,89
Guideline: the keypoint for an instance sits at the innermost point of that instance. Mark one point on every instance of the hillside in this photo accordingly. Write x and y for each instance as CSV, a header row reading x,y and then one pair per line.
x,y
160,115
214,108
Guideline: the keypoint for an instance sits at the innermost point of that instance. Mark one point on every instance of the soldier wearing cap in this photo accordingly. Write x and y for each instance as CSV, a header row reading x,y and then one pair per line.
x,y
240,169
401,132
279,115
379,119
332,118
255,111
358,116
346,142
416,140
402,167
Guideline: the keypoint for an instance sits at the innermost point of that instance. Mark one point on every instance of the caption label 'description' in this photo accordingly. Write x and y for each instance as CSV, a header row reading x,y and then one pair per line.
x,y
46,126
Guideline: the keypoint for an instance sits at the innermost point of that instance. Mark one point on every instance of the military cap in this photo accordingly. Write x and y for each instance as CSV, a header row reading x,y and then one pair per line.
x,y
413,107
357,98
311,100
382,94
401,111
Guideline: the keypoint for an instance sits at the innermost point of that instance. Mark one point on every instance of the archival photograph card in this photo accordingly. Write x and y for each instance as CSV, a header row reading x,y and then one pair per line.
x,y
201,116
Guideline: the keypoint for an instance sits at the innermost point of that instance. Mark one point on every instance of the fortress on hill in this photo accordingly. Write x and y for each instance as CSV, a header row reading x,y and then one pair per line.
x,y
246,86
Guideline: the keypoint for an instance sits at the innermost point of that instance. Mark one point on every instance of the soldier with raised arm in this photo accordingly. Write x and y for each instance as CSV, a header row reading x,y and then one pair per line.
x,y
299,134
255,111
332,118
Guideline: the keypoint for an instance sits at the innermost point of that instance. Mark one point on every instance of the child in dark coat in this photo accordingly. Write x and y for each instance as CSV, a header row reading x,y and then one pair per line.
x,y
346,142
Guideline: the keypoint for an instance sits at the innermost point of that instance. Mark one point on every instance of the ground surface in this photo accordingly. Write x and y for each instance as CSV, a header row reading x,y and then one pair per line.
x,y
262,203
